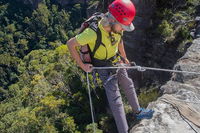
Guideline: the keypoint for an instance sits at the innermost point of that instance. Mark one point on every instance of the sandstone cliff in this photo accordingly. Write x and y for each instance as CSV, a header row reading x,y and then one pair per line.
x,y
186,89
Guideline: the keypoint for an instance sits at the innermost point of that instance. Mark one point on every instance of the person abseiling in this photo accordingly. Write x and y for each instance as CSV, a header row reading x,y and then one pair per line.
x,y
118,19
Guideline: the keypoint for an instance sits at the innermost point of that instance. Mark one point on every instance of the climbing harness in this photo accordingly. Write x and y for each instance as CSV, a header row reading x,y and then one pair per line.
x,y
85,52
125,66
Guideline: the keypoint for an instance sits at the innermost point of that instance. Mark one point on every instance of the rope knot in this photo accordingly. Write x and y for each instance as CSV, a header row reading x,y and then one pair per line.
x,y
141,69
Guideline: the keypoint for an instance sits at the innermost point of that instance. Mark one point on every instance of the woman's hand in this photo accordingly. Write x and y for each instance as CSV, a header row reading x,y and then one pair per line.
x,y
87,67
127,61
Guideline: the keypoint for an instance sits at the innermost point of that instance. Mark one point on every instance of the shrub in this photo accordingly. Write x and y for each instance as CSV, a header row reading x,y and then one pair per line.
x,y
165,29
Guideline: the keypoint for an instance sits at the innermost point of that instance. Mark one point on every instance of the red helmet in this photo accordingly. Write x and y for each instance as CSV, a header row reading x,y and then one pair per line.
x,y
124,12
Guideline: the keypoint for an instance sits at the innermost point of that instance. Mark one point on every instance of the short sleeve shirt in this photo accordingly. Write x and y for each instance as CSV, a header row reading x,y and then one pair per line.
x,y
89,36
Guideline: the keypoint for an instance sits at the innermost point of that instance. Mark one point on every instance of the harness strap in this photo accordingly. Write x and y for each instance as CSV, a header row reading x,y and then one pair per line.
x,y
101,63
97,62
86,52
98,41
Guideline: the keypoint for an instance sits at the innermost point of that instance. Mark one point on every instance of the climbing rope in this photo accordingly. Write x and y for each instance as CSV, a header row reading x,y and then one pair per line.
x,y
124,66
139,68
90,99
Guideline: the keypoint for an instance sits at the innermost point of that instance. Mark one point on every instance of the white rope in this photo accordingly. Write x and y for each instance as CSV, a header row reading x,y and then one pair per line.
x,y
91,107
140,68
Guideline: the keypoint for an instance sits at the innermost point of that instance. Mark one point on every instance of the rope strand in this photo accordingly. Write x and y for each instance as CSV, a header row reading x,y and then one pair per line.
x,y
90,99
140,68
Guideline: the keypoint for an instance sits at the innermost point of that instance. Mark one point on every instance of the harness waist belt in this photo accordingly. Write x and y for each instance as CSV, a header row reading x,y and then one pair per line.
x,y
102,63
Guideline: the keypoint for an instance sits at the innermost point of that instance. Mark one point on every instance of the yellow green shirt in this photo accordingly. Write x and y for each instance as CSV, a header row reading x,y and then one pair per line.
x,y
89,36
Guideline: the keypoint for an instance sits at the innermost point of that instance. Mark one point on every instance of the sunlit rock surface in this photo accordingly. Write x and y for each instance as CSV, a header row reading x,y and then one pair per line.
x,y
184,87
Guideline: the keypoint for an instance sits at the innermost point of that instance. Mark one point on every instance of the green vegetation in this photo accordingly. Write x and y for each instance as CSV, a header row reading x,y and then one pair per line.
x,y
177,19
38,103
41,89
147,96
165,29
45,99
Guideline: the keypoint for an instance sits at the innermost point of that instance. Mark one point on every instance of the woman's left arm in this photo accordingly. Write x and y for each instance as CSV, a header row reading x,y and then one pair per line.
x,y
122,52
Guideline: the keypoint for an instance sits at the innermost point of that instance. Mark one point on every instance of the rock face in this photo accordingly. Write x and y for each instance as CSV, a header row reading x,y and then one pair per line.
x,y
145,50
186,89
142,21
